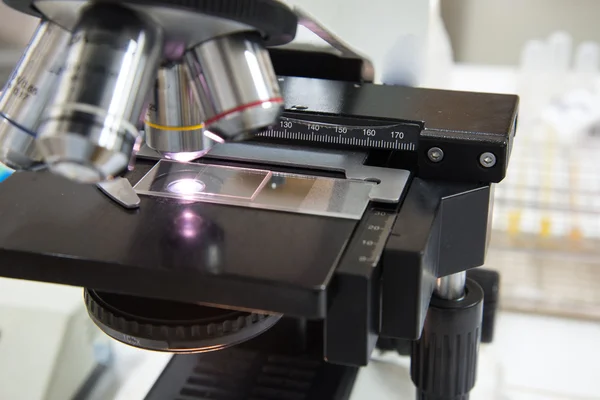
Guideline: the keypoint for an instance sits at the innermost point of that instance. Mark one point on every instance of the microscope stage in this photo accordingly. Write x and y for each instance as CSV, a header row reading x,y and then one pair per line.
x,y
57,231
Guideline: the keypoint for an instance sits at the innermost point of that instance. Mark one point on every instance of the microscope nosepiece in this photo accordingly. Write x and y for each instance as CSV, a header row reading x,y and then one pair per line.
x,y
89,131
234,81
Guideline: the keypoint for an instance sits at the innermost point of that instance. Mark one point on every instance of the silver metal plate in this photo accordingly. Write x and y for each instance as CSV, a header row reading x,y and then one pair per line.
x,y
390,182
121,192
255,188
311,23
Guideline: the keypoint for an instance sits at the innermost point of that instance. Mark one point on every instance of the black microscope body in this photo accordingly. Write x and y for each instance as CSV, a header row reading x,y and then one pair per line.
x,y
304,297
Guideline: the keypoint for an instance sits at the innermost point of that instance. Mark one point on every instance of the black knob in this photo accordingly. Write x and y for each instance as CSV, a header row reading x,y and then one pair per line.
x,y
490,283
170,326
444,359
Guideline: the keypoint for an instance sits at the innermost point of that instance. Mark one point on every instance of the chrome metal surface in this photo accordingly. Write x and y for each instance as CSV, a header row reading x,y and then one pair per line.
x,y
174,120
27,92
390,185
18,149
89,130
487,160
180,26
234,80
451,287
121,192
256,188
344,50
391,182
435,154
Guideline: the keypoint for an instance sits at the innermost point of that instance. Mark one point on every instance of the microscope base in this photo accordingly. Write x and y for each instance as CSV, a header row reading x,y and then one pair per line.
x,y
241,374
284,363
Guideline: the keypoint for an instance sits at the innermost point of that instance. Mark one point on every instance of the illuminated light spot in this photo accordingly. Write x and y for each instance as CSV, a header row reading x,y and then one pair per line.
x,y
186,186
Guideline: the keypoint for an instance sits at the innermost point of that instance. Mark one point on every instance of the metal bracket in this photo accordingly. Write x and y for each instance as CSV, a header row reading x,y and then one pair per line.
x,y
390,182
121,192
311,23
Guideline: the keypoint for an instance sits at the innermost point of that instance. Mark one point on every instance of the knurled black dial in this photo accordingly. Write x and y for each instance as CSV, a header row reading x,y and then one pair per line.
x,y
170,326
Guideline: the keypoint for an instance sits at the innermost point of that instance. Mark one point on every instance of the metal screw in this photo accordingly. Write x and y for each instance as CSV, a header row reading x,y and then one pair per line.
x,y
435,154
487,160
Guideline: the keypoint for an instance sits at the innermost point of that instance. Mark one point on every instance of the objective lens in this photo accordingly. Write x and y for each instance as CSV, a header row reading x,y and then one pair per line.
x,y
174,120
234,80
26,94
89,131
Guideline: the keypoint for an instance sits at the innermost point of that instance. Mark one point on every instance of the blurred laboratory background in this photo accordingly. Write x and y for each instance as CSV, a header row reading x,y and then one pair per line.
x,y
546,225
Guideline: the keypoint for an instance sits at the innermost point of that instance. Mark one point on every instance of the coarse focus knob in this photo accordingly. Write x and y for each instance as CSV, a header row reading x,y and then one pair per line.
x,y
444,359
490,283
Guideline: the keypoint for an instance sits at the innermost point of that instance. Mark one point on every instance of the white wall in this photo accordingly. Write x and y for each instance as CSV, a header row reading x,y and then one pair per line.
x,y
494,31
371,26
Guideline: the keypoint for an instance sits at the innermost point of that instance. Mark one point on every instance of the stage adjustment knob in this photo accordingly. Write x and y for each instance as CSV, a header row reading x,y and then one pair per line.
x,y
444,359
490,283
170,326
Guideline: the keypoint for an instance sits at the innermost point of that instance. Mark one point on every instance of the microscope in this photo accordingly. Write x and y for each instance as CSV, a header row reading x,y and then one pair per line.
x,y
263,211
